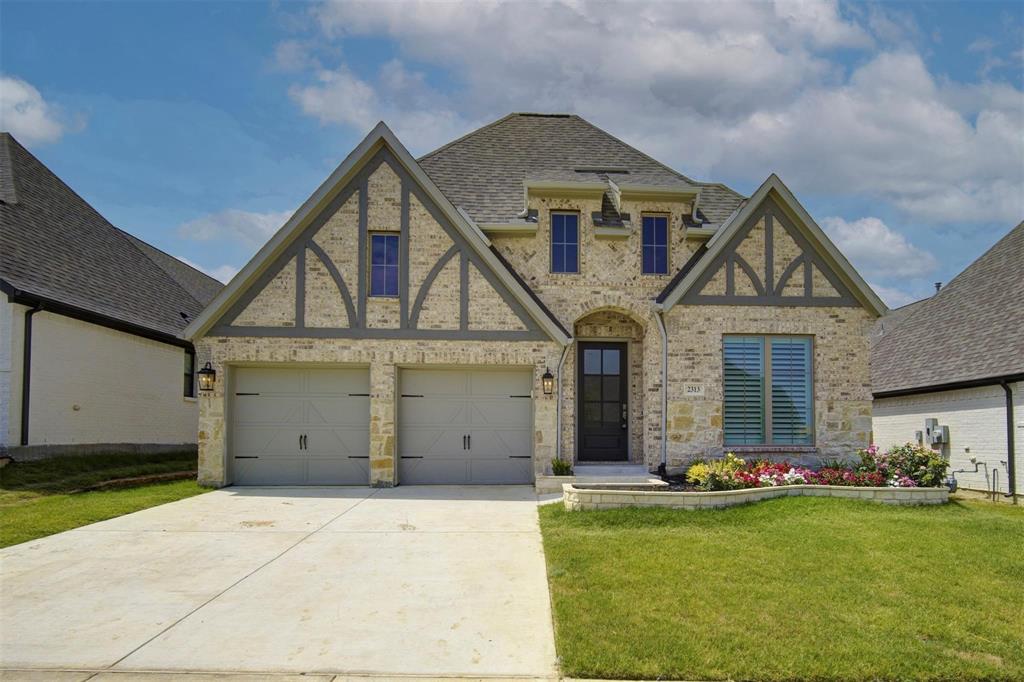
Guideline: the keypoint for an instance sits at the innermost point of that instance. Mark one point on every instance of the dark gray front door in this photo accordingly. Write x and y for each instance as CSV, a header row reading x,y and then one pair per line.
x,y
602,411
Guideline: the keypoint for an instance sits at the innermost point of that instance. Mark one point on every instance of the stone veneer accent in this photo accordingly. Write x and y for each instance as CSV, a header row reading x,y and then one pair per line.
x,y
384,358
842,389
595,497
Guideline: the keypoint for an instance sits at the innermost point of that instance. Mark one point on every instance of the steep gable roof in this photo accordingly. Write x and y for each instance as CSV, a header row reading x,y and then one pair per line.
x,y
483,172
773,189
972,329
380,137
55,246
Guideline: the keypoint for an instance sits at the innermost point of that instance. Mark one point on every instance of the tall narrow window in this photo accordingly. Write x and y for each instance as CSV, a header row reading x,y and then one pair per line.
x,y
655,245
383,265
565,242
768,390
744,409
190,375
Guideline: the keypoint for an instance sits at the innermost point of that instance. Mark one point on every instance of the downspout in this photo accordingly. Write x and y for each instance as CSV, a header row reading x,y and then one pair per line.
x,y
26,370
663,467
1011,451
558,403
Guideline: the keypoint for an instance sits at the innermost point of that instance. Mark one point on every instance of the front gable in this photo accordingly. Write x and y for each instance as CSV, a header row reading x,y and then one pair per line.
x,y
317,285
770,253
769,262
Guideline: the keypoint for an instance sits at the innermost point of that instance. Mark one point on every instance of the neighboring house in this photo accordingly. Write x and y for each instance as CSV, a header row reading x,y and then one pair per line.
x,y
958,358
91,354
400,326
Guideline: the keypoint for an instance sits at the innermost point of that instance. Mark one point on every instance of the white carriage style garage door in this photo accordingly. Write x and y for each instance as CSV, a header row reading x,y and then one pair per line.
x,y
300,426
465,426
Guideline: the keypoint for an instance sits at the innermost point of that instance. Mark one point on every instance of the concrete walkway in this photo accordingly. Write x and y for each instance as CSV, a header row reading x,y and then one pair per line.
x,y
426,581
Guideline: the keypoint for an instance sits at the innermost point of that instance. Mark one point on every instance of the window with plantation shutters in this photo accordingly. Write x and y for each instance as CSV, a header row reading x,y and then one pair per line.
x,y
791,390
743,416
768,390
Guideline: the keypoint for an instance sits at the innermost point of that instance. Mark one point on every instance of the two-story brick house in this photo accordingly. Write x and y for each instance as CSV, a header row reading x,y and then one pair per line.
x,y
533,290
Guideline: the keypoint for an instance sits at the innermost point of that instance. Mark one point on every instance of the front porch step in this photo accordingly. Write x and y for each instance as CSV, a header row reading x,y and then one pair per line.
x,y
597,473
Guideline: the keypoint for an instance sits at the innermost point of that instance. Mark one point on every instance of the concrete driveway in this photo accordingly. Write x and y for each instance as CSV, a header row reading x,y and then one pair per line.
x,y
412,580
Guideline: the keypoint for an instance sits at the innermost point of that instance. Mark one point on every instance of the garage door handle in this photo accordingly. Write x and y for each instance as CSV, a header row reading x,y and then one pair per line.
x,y
359,457
520,457
246,457
463,441
412,457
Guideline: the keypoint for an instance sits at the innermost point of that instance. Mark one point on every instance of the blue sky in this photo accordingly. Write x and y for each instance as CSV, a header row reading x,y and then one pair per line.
x,y
200,126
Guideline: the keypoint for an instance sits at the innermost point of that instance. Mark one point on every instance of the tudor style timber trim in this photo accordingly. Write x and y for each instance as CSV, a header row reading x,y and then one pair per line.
x,y
347,177
805,231
767,292
357,327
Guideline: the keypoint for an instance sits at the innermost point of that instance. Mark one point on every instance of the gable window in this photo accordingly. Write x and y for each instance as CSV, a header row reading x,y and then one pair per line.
x,y
383,264
565,242
190,375
655,245
768,390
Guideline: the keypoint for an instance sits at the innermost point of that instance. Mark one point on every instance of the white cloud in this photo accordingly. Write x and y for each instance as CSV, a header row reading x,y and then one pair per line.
x,y
26,115
731,91
253,229
221,273
892,296
876,250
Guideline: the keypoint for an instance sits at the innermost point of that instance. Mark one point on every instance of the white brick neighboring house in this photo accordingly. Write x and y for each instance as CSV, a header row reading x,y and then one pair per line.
x,y
402,325
958,358
96,316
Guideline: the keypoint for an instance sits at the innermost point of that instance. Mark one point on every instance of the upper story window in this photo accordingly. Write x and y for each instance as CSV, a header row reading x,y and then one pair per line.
x,y
768,390
190,375
383,264
655,245
565,242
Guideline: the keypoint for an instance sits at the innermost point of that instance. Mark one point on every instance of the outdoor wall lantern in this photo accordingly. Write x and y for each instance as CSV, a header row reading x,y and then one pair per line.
x,y
207,378
547,382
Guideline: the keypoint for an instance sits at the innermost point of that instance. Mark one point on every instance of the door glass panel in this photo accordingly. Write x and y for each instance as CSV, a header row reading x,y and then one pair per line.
x,y
591,388
611,361
591,361
611,388
592,413
611,413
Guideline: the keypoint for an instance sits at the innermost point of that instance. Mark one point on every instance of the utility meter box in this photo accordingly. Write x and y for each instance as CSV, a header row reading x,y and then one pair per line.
x,y
940,435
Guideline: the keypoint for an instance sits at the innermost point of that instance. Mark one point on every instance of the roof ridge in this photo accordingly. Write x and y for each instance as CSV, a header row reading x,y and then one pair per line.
x,y
654,160
135,241
9,192
469,134
980,258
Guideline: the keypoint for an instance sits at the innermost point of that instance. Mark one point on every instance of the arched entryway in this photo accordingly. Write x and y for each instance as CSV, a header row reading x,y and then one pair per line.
x,y
604,381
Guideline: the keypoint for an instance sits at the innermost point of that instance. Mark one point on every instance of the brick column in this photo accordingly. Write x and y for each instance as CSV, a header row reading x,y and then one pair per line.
x,y
211,441
383,457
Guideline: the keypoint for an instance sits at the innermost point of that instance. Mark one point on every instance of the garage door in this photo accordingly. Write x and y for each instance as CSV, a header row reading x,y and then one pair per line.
x,y
465,426
300,427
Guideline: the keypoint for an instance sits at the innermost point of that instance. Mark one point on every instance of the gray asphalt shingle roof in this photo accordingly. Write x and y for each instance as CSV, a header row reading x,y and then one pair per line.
x,y
972,329
55,246
483,172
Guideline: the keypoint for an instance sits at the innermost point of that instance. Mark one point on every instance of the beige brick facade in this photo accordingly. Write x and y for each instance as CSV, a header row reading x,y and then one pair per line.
x,y
608,299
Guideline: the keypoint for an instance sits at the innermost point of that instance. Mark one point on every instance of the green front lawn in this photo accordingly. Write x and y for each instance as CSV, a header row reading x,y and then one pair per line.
x,y
42,498
789,589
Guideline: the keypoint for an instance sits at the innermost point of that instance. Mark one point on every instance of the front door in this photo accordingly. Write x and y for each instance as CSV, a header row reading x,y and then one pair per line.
x,y
602,412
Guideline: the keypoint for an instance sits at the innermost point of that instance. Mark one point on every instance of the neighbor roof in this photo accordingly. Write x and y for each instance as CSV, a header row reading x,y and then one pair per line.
x,y
55,246
483,172
972,329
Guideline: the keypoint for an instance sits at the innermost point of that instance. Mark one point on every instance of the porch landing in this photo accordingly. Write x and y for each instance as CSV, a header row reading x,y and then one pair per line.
x,y
618,472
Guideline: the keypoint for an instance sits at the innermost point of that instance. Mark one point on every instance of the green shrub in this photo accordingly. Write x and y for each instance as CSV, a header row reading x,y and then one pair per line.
x,y
559,467
718,474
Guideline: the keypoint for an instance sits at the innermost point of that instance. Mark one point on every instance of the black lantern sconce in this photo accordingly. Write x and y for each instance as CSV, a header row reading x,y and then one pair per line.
x,y
207,378
547,382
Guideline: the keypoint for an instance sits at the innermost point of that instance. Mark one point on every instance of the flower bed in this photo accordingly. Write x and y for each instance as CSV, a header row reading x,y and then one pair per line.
x,y
903,466
597,496
905,474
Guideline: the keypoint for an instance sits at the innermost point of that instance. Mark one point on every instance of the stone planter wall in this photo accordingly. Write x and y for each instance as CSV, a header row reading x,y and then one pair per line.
x,y
603,497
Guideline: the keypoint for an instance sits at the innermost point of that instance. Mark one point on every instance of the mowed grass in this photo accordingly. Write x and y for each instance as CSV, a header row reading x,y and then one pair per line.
x,y
40,498
789,589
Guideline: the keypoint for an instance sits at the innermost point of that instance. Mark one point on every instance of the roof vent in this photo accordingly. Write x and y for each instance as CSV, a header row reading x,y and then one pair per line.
x,y
938,287
184,316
